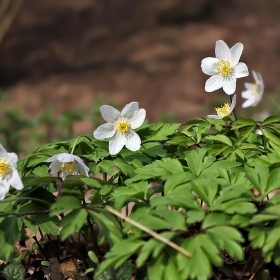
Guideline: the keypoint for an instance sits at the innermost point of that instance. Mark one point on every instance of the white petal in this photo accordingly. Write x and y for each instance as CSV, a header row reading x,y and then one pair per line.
x,y
80,162
249,86
232,104
222,51
134,142
213,83
116,143
64,157
208,65
138,119
109,113
13,159
55,166
246,94
248,103
3,153
241,70
215,117
83,170
256,77
229,86
16,181
236,52
129,110
52,158
4,188
106,130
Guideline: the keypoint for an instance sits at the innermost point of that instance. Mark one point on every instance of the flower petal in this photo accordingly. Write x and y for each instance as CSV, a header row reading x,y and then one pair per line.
x,y
241,70
246,94
133,142
4,188
213,83
109,113
15,181
116,143
208,65
65,157
229,86
129,110
55,166
236,52
249,86
13,159
106,130
215,117
232,105
248,103
81,163
222,51
138,119
3,153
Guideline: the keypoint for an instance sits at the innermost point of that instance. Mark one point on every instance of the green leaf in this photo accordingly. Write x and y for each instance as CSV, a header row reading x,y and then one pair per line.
x,y
257,237
13,271
72,222
158,131
177,180
65,203
220,138
93,257
271,119
215,219
243,122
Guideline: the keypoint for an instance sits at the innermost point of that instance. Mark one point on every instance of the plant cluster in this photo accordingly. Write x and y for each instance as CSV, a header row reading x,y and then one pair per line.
x,y
157,201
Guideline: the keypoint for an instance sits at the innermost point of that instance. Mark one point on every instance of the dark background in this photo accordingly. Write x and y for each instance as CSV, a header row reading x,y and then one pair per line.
x,y
64,52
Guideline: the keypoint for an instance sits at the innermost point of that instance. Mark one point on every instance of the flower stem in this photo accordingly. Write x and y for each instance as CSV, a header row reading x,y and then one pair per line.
x,y
74,145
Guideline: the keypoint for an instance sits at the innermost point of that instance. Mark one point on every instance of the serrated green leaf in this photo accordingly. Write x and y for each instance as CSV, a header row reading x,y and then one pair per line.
x,y
220,138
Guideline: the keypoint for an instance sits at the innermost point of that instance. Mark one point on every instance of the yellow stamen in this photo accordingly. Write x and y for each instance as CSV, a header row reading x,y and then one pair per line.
x,y
68,166
122,126
224,68
5,167
224,110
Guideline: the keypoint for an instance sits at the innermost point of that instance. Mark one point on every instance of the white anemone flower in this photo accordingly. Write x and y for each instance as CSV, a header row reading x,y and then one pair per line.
x,y
225,110
253,92
67,164
225,68
119,127
8,172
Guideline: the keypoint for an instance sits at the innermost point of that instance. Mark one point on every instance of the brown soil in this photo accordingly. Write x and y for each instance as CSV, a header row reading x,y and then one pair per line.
x,y
64,52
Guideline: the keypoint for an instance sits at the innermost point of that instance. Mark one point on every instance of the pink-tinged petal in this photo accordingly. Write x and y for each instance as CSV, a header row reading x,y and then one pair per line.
x,y
65,157
213,83
241,70
229,86
215,117
116,143
16,181
249,86
208,65
222,51
133,142
129,110
233,103
248,103
246,94
236,52
138,119
55,166
109,113
106,130
4,188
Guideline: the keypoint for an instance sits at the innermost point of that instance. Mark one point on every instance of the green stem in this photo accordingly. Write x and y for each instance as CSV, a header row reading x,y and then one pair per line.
x,y
74,145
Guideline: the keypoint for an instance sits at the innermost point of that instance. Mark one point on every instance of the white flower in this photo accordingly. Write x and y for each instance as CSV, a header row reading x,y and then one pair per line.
x,y
8,172
119,127
225,68
253,92
225,110
68,164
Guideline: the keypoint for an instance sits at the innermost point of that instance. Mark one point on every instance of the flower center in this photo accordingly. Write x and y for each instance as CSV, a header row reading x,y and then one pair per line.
x,y
255,90
122,126
68,166
224,68
5,167
224,110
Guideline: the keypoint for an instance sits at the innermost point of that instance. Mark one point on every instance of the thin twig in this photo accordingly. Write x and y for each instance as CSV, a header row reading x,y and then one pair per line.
x,y
254,274
149,231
